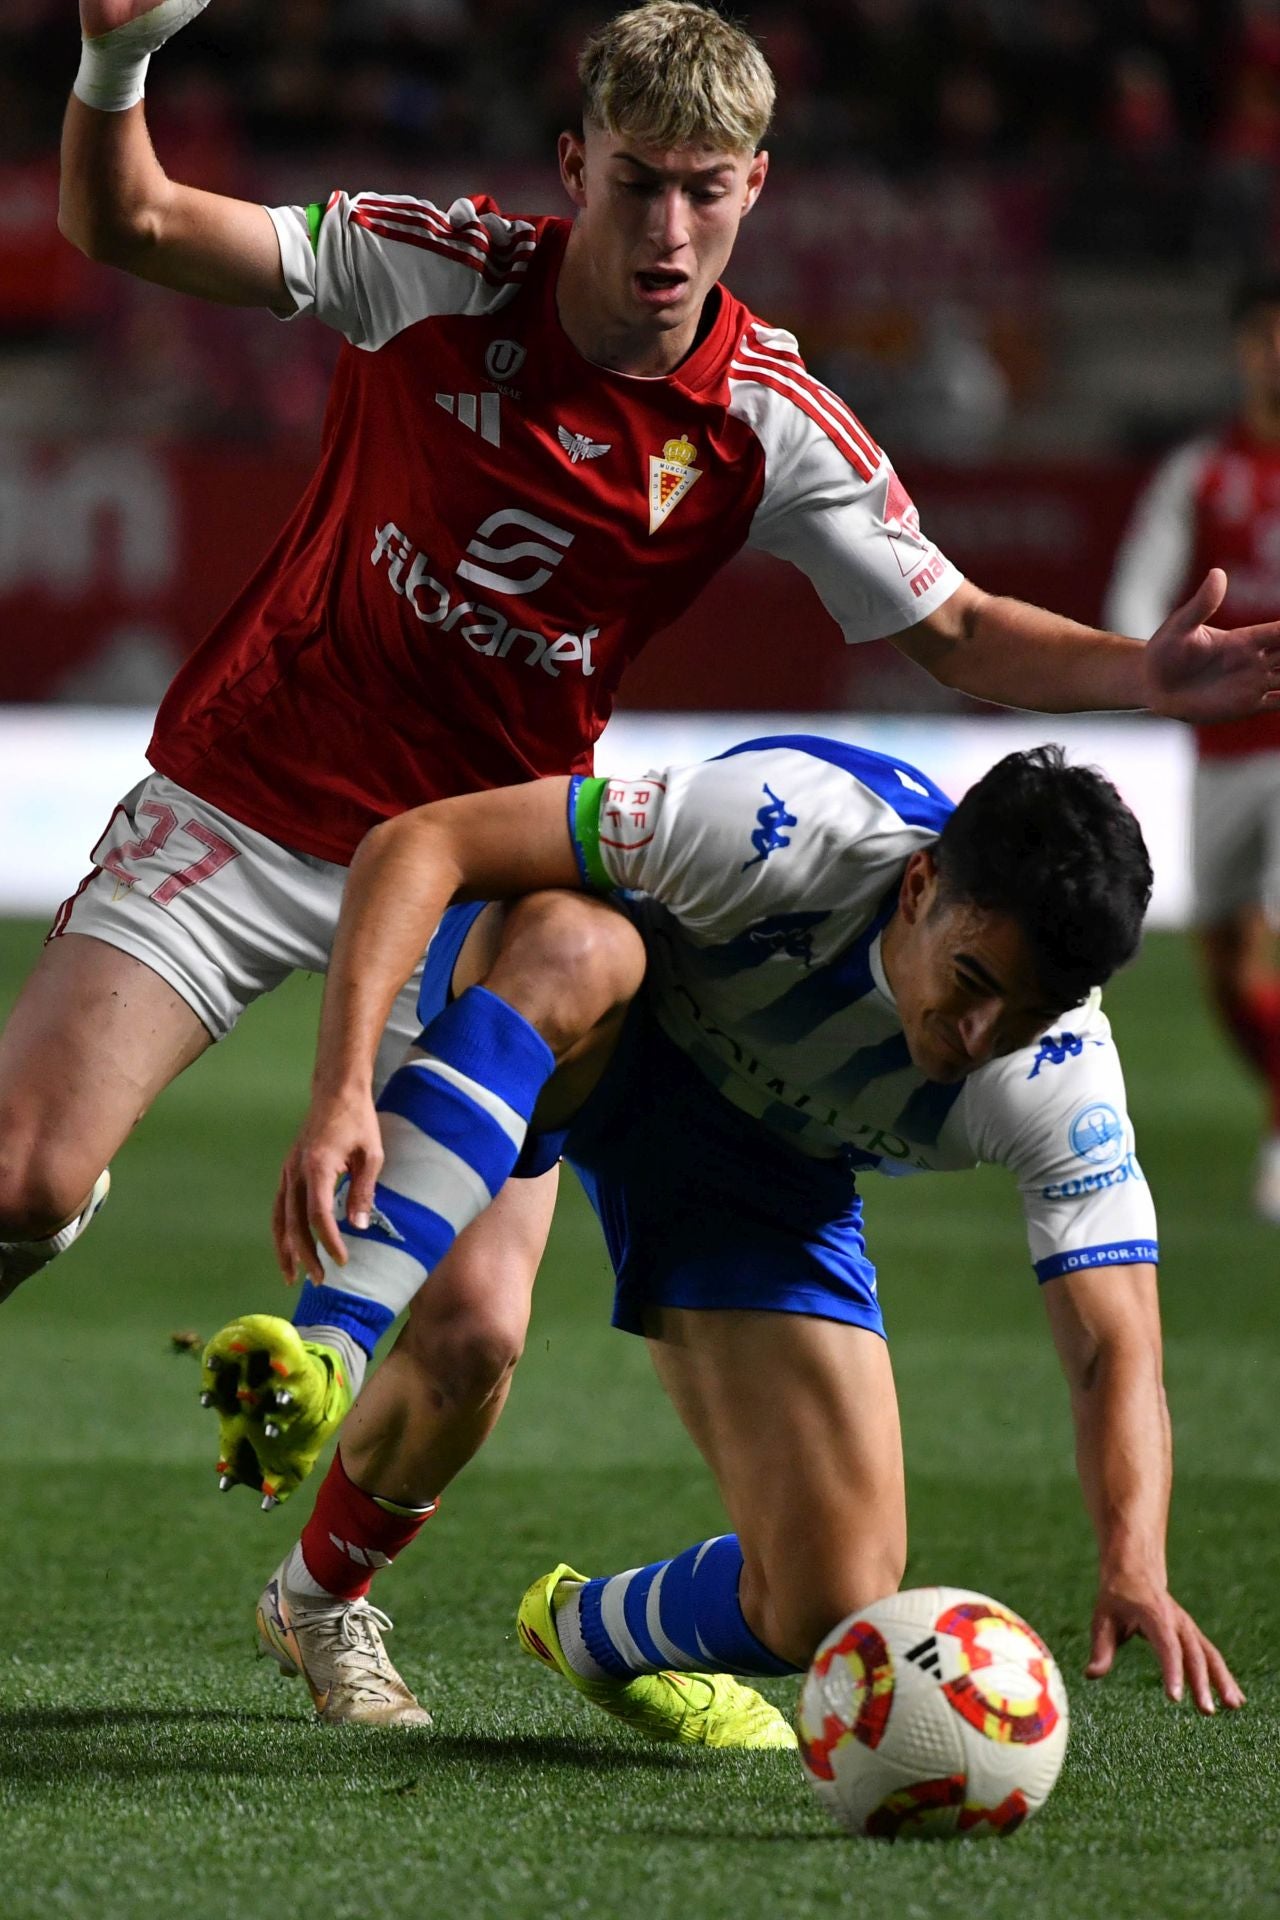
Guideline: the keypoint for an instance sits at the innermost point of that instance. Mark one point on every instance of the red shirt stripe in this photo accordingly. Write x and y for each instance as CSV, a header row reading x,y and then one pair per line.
x,y
779,382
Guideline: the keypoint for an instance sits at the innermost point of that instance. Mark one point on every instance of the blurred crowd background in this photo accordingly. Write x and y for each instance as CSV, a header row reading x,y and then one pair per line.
x,y
1005,230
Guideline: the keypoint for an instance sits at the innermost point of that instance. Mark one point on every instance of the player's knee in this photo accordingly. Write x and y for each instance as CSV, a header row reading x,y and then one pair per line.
x,y
583,958
39,1191
466,1356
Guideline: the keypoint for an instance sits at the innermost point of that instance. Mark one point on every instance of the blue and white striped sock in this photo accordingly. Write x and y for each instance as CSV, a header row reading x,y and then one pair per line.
x,y
453,1120
682,1614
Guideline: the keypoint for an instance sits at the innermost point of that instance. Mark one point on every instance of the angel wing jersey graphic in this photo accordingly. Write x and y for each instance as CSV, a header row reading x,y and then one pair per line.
x,y
580,446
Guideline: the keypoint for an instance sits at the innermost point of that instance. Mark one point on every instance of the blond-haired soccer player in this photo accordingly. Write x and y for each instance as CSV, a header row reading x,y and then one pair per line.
x,y
544,435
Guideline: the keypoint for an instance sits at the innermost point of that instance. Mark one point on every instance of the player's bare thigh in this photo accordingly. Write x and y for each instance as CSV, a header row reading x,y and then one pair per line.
x,y
94,1036
798,1420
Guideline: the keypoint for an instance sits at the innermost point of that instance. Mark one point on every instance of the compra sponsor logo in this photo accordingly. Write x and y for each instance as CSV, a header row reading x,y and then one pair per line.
x,y
1080,1185
485,629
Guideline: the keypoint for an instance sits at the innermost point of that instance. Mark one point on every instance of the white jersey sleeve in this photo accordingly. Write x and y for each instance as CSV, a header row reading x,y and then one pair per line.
x,y
1055,1114
832,503
729,842
1154,557
372,264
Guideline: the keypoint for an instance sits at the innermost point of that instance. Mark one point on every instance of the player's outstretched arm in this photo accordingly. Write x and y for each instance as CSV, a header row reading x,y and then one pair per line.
x,y
1106,1326
480,846
1018,655
117,203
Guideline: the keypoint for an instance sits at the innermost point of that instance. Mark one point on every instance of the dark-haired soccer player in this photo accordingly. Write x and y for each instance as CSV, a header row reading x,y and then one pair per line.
x,y
845,975
1220,494
545,435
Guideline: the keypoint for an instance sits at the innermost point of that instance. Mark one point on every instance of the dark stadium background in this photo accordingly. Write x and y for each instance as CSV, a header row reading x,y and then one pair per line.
x,y
1004,230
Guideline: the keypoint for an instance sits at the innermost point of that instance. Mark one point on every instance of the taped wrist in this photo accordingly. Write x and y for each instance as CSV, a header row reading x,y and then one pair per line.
x,y
113,66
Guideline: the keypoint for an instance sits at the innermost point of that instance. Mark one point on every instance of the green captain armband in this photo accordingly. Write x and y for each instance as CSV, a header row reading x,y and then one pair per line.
x,y
586,796
315,214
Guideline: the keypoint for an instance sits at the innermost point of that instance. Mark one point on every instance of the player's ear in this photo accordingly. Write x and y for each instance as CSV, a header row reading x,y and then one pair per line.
x,y
573,167
755,179
919,886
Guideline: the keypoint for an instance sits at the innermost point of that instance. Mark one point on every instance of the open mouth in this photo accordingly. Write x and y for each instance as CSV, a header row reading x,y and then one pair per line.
x,y
659,283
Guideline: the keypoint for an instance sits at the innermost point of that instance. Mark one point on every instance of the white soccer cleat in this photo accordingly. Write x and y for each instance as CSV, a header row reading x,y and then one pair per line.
x,y
19,1259
336,1646
1266,1185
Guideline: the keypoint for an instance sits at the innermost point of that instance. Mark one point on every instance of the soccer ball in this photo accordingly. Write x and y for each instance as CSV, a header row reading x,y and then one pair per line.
x,y
931,1713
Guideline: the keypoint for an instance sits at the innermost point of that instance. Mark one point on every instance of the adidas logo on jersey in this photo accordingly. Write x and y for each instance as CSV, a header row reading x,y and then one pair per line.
x,y
481,412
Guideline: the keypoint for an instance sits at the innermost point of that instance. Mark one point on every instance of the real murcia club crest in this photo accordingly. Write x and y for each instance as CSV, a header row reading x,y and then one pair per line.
x,y
670,478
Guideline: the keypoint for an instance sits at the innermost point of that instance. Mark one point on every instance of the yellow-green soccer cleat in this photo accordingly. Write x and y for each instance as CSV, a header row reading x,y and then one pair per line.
x,y
706,1709
278,1399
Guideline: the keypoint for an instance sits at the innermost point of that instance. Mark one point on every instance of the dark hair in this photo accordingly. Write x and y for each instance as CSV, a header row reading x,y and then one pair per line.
x,y
1057,848
1252,294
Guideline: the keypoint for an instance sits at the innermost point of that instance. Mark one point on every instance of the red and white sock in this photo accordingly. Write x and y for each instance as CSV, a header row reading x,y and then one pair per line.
x,y
350,1536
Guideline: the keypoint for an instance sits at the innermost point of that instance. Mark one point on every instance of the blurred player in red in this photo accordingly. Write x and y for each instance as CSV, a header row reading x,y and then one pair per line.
x,y
544,436
1220,495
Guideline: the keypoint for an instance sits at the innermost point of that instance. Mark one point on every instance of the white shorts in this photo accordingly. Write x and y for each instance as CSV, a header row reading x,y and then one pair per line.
x,y
1235,836
220,912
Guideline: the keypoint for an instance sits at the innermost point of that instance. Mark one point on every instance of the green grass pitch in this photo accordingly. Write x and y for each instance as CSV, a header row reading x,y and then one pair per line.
x,y
149,1766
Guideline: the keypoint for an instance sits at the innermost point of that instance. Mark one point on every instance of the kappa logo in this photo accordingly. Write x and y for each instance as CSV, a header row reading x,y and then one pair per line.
x,y
787,933
767,838
579,446
379,1223
670,479
481,412
546,551
1055,1048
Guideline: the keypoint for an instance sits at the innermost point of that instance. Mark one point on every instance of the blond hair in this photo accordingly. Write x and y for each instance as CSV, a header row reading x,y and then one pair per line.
x,y
675,74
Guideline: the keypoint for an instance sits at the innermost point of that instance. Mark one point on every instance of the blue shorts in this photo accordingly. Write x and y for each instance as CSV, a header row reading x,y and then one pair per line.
x,y
436,990
701,1206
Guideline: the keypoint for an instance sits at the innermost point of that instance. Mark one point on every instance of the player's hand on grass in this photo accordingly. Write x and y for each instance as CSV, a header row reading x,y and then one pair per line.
x,y
1198,672
340,1137
1188,1658
104,16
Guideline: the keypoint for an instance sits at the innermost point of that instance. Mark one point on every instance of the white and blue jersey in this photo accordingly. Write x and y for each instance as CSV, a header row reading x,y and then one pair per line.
x,y
762,882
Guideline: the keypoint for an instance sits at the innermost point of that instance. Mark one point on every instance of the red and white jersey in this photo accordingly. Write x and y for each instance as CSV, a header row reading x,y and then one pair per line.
x,y
497,526
1215,502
